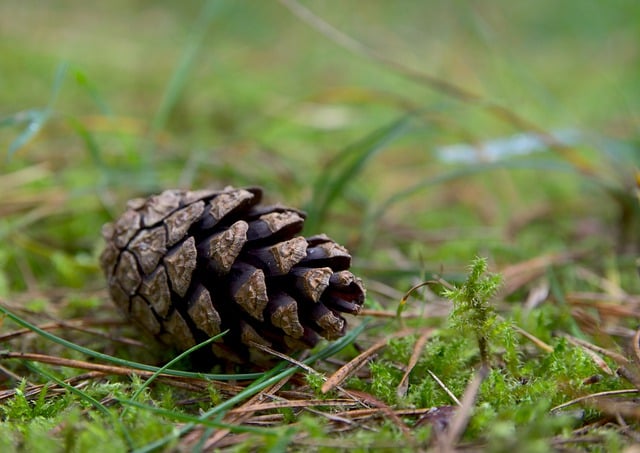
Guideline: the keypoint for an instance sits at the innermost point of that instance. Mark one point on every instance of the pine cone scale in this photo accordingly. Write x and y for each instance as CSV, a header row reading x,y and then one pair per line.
x,y
203,313
149,246
159,207
140,309
178,223
223,248
180,263
278,259
127,274
155,289
311,282
249,290
283,310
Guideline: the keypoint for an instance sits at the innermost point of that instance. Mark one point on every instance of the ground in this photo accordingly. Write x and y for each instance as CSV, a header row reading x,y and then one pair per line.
x,y
488,150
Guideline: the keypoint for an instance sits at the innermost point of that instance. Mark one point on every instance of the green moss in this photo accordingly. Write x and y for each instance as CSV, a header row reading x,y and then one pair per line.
x,y
472,311
385,378
20,409
315,382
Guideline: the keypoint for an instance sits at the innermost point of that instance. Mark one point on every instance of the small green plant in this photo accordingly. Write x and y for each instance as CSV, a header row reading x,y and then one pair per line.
x,y
471,307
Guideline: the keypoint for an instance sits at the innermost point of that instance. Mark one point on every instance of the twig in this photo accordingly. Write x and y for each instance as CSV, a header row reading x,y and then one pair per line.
x,y
78,325
351,367
281,404
620,359
115,370
591,396
374,402
535,340
463,414
445,388
413,360
71,363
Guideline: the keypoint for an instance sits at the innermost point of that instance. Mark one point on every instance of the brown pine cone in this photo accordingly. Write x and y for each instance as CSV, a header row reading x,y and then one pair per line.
x,y
187,265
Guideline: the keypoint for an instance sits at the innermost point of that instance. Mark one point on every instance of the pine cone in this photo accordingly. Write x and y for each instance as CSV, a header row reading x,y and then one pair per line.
x,y
187,265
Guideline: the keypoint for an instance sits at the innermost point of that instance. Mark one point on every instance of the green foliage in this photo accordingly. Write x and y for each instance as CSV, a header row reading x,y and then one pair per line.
x,y
384,380
29,423
471,308
20,409
528,428
346,166
314,381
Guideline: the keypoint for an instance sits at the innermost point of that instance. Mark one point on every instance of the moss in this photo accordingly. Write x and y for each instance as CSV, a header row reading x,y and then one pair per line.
x,y
472,311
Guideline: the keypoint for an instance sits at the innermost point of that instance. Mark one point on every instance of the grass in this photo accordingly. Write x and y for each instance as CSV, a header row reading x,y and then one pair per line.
x,y
398,129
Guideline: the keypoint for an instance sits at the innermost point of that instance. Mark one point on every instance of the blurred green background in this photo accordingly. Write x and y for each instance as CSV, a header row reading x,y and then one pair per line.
x,y
104,101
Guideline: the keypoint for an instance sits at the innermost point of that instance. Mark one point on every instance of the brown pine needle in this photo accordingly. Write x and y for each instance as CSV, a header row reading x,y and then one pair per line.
x,y
636,345
535,340
354,365
235,416
71,363
445,388
176,381
282,356
373,412
589,350
418,347
371,401
591,396
294,404
463,414
8,374
34,390
518,275
79,325
619,359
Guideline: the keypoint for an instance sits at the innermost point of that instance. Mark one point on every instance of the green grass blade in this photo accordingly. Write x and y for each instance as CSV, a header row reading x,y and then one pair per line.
x,y
83,81
179,77
86,397
269,378
346,165
90,143
173,361
470,170
110,359
39,117
33,127
283,441
372,217
179,416
25,116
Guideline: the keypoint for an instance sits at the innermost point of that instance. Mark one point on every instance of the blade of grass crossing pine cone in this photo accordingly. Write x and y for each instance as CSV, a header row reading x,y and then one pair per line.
x,y
118,361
